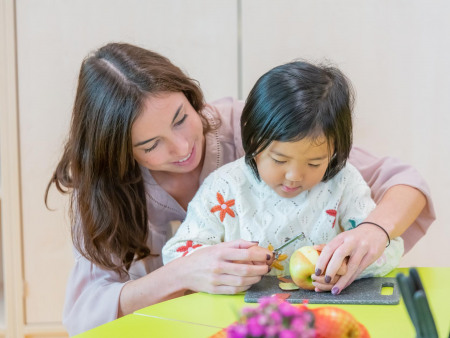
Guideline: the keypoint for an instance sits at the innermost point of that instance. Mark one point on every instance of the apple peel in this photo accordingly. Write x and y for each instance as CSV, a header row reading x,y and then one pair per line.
x,y
283,296
288,286
285,280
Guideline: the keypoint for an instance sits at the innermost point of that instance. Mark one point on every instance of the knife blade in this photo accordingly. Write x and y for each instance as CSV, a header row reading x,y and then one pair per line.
x,y
292,240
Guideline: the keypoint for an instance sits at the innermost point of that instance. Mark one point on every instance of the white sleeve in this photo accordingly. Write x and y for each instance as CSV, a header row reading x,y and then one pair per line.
x,y
202,227
387,262
92,296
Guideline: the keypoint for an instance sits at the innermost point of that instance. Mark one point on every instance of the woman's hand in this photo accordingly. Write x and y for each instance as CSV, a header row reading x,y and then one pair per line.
x,y
320,282
362,246
219,268
256,249
225,268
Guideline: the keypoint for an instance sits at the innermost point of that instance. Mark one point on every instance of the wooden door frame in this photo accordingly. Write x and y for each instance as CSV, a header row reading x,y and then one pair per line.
x,y
11,217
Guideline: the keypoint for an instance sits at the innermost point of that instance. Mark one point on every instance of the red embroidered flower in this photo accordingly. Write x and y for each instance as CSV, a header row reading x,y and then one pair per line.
x,y
223,207
333,213
187,248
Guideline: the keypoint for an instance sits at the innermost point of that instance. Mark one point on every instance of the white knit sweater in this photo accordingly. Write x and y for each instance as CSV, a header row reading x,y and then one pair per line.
x,y
232,204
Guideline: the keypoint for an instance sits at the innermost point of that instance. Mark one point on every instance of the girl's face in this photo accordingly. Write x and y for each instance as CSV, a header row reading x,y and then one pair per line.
x,y
290,168
168,134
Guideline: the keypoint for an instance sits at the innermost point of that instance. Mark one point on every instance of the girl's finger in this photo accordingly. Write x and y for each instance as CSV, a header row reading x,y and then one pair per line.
x,y
344,268
353,266
321,279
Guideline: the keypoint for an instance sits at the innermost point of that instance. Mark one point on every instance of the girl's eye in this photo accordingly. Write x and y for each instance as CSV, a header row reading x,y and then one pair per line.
x,y
151,148
181,121
278,162
314,165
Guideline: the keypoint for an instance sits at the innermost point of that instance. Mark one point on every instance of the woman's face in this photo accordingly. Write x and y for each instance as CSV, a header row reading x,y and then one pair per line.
x,y
168,134
290,168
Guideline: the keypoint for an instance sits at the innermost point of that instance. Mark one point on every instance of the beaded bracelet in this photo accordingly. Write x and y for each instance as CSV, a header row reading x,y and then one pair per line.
x,y
389,238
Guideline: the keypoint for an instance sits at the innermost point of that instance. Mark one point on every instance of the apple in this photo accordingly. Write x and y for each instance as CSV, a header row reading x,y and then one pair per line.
x,y
302,265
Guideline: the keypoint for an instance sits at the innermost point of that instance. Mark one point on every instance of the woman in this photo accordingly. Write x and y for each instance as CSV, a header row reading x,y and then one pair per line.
x,y
141,142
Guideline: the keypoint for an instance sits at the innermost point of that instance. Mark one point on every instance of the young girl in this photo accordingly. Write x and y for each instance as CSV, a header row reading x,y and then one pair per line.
x,y
297,135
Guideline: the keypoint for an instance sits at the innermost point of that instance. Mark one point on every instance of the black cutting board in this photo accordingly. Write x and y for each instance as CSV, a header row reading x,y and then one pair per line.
x,y
362,291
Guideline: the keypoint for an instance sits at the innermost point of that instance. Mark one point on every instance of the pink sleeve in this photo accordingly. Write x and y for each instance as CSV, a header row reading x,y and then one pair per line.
x,y
92,296
237,112
230,111
382,174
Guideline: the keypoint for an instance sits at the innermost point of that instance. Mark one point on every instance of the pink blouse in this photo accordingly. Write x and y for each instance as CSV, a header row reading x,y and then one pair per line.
x,y
92,294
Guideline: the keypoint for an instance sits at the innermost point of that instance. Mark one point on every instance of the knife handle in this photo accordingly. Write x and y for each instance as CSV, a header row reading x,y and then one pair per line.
x,y
407,292
414,275
422,306
424,314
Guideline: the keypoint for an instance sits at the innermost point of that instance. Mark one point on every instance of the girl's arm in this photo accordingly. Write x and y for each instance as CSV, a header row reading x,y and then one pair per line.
x,y
202,226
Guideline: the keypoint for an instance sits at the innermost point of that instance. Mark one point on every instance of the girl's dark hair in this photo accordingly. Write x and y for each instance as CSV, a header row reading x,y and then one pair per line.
x,y
298,100
108,204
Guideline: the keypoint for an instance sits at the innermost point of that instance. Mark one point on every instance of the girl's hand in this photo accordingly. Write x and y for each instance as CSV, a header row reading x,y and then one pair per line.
x,y
362,245
225,268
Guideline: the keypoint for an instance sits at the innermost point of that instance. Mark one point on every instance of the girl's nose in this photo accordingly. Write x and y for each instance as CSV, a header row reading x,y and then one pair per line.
x,y
294,175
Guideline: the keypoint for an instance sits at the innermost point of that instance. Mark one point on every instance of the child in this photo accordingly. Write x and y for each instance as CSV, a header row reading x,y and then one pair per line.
x,y
297,135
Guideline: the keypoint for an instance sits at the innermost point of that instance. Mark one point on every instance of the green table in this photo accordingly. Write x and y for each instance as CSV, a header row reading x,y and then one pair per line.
x,y
201,315
141,326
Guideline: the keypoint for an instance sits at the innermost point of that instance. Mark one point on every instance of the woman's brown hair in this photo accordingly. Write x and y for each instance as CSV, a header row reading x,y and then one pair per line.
x,y
108,205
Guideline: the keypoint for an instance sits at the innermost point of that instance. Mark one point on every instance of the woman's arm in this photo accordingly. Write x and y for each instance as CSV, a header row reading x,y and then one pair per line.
x,y
96,296
407,215
403,207
92,295
210,269
196,258
398,209
365,244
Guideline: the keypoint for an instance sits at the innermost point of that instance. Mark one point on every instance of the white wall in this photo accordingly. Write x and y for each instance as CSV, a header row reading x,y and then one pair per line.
x,y
393,51
396,55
